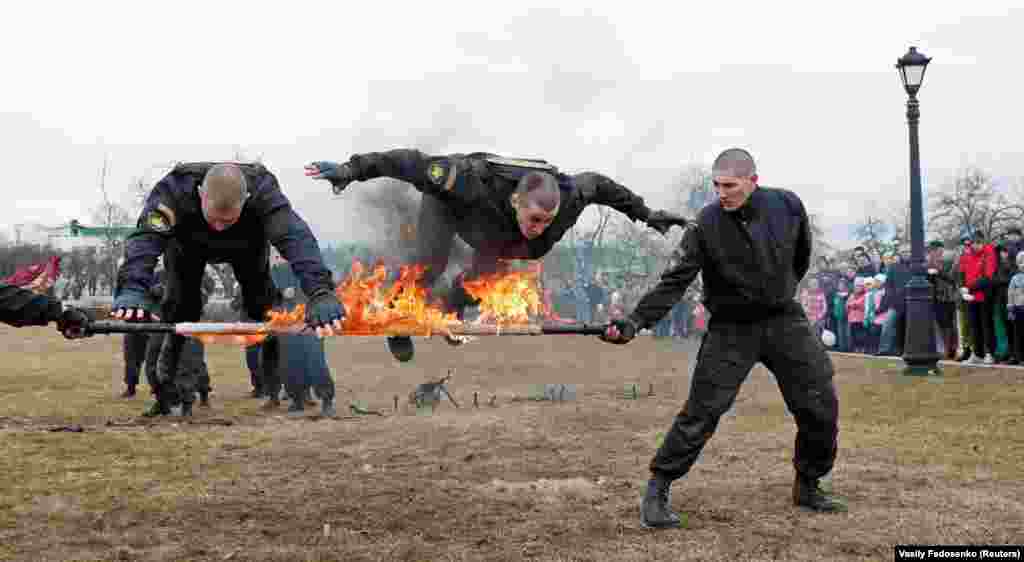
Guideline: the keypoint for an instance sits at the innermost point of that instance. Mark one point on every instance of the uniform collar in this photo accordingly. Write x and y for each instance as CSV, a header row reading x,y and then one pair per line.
x,y
749,210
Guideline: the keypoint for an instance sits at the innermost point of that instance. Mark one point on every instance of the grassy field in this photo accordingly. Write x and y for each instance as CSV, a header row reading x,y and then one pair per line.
x,y
922,460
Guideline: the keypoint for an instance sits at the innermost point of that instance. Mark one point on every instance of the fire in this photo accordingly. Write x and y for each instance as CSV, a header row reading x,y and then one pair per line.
x,y
401,309
506,297
277,321
404,308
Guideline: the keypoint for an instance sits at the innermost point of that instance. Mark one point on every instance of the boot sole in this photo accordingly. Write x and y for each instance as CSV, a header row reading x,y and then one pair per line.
x,y
647,525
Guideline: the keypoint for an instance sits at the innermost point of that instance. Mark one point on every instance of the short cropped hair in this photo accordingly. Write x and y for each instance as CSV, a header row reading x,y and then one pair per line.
x,y
539,189
734,162
224,186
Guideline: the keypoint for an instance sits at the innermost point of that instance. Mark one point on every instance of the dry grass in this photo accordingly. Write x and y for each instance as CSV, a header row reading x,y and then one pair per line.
x,y
922,460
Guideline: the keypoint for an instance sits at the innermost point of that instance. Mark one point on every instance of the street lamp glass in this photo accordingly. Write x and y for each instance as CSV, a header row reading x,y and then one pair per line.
x,y
911,67
912,76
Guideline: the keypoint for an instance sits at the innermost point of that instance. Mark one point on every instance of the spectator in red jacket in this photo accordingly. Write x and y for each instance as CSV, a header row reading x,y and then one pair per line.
x,y
977,266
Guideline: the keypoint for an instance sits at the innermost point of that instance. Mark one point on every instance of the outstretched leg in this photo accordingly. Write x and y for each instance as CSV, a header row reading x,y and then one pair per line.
x,y
435,236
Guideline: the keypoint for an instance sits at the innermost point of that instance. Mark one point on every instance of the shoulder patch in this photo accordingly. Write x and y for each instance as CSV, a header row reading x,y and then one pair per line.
x,y
157,222
522,163
160,219
442,172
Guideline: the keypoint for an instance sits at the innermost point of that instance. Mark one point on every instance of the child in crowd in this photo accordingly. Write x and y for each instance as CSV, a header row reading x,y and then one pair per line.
x,y
880,317
1015,307
837,308
855,304
813,300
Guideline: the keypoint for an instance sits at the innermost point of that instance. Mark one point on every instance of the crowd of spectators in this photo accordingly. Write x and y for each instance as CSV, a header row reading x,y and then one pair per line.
x,y
977,290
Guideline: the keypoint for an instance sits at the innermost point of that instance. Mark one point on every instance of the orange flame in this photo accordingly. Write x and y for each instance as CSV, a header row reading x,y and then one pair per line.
x,y
506,297
401,309
371,308
277,321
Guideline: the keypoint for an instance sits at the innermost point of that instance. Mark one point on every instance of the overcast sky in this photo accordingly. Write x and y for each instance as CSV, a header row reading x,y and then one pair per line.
x,y
636,90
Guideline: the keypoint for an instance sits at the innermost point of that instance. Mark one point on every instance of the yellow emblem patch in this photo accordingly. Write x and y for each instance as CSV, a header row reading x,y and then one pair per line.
x,y
158,222
436,172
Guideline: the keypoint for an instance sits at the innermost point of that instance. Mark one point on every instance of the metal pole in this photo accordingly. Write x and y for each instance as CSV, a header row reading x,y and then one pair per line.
x,y
258,328
919,348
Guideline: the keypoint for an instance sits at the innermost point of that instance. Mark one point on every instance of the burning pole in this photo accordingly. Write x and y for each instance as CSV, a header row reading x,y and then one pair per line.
x,y
200,329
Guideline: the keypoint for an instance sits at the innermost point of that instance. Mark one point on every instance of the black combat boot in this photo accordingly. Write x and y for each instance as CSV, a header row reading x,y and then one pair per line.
x,y
327,409
186,409
655,512
129,392
204,399
401,347
808,494
297,408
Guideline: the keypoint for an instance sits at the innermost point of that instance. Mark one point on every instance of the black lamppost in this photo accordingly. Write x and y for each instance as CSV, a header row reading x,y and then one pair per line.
x,y
919,348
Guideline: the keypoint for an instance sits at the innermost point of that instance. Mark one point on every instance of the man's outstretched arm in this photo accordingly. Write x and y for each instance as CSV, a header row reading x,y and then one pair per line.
x,y
602,190
669,291
436,175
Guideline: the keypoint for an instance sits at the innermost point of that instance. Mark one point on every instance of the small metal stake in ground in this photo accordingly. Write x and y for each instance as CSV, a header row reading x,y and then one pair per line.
x,y
631,391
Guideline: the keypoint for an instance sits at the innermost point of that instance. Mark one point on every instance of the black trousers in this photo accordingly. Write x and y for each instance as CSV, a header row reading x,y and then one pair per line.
x,y
185,266
1018,338
134,348
788,348
945,317
979,316
192,370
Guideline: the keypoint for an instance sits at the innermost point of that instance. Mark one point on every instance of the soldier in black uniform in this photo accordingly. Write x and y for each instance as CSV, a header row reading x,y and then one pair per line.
x,y
21,307
502,208
753,247
203,213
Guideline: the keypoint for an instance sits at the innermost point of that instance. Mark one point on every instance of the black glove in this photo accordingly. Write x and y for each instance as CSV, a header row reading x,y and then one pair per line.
x,y
323,309
340,175
627,331
74,324
663,220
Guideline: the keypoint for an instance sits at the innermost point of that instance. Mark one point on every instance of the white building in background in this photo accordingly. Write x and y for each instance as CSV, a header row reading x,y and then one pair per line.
x,y
63,237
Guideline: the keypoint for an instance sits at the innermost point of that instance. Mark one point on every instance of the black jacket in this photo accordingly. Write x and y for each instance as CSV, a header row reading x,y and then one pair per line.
x,y
897,275
22,307
476,190
751,260
173,210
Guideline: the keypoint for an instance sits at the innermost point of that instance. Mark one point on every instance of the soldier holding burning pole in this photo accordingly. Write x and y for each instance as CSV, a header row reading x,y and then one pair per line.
x,y
752,248
203,213
503,208
21,307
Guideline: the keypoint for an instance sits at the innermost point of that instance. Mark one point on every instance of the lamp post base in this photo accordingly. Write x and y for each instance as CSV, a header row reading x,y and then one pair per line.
x,y
921,370
919,352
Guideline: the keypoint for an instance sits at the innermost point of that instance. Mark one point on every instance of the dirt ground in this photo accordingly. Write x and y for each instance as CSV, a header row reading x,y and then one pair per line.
x,y
935,460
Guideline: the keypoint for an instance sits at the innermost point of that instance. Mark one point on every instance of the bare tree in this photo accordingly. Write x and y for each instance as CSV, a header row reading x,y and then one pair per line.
x,y
142,185
871,232
819,246
112,217
693,190
969,202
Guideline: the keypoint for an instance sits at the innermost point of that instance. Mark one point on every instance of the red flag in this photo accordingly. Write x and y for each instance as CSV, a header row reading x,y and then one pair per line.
x,y
38,277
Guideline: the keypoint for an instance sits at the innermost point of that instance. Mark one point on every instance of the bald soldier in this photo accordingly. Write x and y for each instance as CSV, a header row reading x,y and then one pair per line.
x,y
752,248
503,208
207,213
